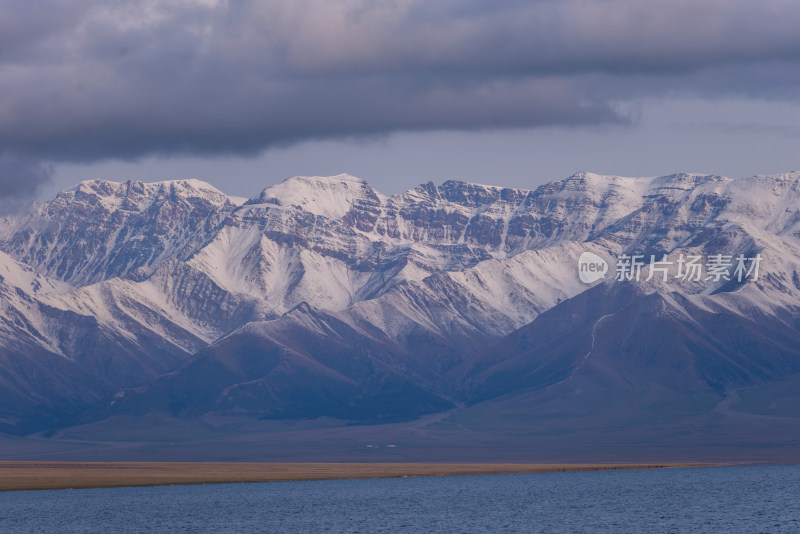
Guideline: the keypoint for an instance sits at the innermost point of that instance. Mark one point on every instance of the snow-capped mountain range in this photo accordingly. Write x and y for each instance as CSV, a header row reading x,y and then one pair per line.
x,y
320,296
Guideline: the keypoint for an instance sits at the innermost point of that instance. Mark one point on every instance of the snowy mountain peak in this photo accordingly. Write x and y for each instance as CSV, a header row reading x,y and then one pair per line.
x,y
101,229
327,196
134,195
461,193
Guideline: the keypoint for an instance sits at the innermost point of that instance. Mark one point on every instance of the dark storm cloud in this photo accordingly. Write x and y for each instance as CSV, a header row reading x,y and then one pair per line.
x,y
21,176
83,81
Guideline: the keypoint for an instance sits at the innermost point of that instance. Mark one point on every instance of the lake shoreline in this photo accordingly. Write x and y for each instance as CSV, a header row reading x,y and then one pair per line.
x,y
46,475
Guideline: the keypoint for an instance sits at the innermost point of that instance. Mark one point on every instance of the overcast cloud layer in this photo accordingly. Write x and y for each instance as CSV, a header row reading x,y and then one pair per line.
x,y
87,81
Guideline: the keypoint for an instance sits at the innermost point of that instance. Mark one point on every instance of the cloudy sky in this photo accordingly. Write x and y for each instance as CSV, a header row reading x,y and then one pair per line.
x,y
515,92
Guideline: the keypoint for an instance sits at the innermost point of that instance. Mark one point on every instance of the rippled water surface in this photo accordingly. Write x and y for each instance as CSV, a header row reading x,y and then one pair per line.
x,y
718,499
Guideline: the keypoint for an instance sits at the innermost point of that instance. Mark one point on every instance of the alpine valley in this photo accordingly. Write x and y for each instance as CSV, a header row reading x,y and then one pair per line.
x,y
323,320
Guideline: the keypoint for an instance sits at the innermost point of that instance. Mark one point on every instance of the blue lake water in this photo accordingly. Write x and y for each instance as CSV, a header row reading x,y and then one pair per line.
x,y
719,499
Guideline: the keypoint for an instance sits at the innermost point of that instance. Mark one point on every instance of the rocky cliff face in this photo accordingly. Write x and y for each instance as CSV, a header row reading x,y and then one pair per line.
x,y
114,284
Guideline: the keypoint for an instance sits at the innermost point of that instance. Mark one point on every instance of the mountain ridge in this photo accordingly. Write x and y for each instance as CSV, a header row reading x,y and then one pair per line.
x,y
144,293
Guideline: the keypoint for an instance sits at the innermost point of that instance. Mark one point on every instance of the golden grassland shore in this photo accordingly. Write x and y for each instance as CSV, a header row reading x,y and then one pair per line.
x,y
63,475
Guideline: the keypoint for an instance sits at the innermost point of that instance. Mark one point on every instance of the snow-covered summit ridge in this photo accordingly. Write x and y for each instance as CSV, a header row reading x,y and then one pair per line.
x,y
101,229
328,196
137,195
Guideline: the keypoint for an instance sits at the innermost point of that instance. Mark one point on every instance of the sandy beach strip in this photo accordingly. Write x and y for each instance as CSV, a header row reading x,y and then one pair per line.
x,y
16,476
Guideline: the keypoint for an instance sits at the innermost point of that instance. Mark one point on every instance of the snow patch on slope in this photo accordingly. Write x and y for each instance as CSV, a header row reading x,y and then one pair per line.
x,y
26,278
